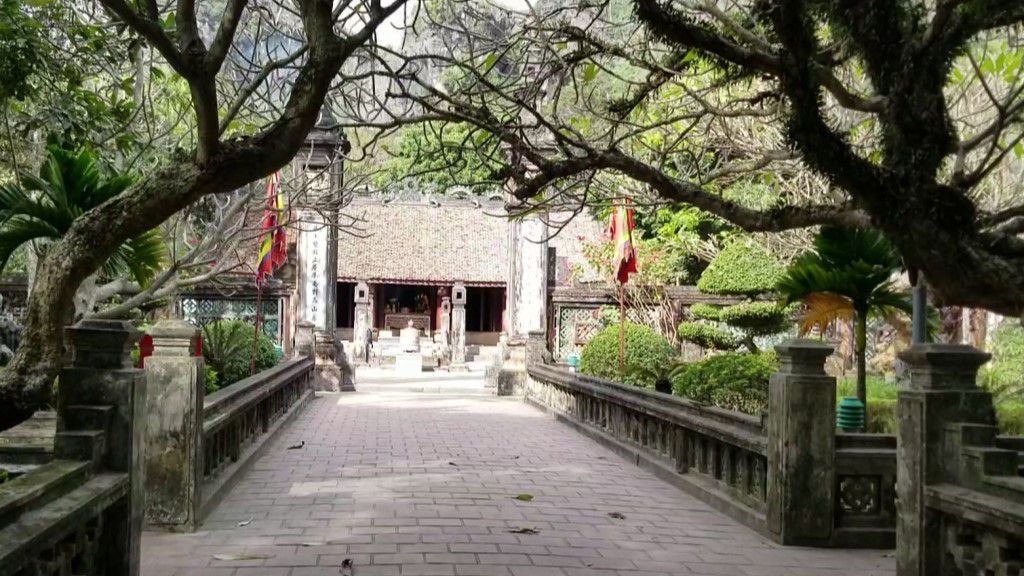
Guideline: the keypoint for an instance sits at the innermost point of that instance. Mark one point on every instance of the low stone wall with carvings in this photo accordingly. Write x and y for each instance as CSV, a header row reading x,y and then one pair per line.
x,y
81,513
790,475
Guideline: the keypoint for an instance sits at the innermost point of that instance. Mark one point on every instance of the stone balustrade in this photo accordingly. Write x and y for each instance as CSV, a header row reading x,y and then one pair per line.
x,y
81,513
198,444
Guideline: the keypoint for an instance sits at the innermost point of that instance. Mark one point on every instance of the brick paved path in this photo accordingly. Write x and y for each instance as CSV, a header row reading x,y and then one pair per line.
x,y
410,484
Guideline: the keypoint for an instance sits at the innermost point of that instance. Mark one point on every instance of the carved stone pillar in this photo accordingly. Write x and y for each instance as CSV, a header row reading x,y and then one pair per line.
x,y
801,445
361,325
102,392
174,426
527,287
445,328
458,330
941,396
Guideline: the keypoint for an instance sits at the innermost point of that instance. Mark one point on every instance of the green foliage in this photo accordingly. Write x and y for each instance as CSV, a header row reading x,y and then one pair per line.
x,y
648,355
706,311
734,381
444,155
742,268
756,318
707,336
210,379
1011,417
1004,375
227,349
44,207
21,46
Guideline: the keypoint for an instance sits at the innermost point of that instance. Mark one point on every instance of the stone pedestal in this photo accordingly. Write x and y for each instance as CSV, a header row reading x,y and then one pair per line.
x,y
333,372
458,329
304,340
409,363
801,445
527,290
101,375
942,392
174,426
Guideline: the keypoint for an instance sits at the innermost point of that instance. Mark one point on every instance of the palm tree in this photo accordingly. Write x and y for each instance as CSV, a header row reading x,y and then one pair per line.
x,y
43,207
848,274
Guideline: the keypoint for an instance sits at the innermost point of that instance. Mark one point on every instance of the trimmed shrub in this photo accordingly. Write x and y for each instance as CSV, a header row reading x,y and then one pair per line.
x,y
742,268
756,318
227,348
734,381
707,336
1011,417
648,356
706,311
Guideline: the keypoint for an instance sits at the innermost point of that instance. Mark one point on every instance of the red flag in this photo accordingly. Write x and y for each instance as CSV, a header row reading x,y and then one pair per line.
x,y
274,242
620,228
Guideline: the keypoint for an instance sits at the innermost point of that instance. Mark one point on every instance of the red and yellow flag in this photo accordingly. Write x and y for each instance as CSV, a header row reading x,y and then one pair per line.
x,y
620,228
274,242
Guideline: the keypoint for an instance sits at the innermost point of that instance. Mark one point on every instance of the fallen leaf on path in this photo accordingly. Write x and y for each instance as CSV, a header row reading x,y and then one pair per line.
x,y
452,464
241,556
524,530
346,567
524,497
297,446
245,522
617,515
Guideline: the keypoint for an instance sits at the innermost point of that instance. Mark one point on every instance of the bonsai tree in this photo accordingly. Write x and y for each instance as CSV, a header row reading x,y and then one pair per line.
x,y
743,268
848,274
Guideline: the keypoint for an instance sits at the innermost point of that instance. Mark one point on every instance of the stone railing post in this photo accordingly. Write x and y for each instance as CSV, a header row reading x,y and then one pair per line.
x,y
801,445
458,330
175,380
304,339
941,391
101,375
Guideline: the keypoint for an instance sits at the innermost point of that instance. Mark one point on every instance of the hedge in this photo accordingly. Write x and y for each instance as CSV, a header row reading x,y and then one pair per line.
x,y
707,336
743,268
735,381
648,356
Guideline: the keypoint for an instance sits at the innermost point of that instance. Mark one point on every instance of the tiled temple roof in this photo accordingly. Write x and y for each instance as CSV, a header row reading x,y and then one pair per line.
x,y
418,241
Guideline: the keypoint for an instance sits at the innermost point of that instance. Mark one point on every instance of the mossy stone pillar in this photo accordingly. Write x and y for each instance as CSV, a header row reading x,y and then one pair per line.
x,y
942,391
101,374
175,380
801,445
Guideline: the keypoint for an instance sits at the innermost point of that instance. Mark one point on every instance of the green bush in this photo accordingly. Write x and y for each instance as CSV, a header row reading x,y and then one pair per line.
x,y
648,358
1011,417
210,379
735,381
227,348
881,408
1004,375
742,268
707,336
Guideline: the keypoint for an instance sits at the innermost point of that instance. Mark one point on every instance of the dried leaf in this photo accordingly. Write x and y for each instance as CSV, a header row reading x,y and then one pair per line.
x,y
617,515
245,522
524,530
525,497
297,446
822,309
241,556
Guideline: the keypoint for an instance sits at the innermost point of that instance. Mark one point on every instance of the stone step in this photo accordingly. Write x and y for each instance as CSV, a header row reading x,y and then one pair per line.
x,y
980,435
40,486
89,445
991,461
88,417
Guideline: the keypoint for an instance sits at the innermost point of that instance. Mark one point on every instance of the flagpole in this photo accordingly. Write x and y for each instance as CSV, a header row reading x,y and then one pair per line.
x,y
622,333
256,329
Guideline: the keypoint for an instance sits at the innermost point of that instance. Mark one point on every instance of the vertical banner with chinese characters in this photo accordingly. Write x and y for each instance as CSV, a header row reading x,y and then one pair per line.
x,y
314,271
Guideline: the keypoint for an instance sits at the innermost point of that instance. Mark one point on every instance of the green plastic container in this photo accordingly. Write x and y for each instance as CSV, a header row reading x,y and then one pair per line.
x,y
850,417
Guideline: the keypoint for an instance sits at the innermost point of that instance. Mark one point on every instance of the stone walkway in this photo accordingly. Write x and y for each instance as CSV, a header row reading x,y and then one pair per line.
x,y
408,484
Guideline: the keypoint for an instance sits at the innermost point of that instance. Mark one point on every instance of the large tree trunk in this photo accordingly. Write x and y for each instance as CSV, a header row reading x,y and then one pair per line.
x,y
861,345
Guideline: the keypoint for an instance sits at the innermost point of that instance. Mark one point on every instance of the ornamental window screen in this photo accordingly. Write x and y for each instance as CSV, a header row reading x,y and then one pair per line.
x,y
202,311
